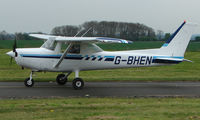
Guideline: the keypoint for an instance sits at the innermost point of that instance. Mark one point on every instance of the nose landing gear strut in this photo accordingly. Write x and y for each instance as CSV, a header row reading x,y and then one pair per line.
x,y
29,82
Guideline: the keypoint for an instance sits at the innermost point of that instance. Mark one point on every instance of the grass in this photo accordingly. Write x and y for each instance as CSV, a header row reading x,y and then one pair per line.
x,y
101,109
7,44
193,46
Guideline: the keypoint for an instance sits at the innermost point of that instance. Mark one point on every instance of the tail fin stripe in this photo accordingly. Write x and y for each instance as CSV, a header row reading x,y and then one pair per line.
x,y
174,34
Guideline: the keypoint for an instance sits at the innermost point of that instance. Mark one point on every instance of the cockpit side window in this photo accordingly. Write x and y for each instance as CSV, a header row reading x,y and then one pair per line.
x,y
75,49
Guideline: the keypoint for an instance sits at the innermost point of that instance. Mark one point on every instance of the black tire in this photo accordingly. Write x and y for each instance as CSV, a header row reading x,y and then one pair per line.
x,y
60,79
28,82
78,83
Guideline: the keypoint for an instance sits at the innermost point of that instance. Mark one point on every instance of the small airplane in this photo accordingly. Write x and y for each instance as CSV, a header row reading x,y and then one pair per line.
x,y
83,54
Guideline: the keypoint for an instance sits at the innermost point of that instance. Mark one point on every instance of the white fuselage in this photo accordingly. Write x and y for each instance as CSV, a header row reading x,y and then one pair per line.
x,y
42,59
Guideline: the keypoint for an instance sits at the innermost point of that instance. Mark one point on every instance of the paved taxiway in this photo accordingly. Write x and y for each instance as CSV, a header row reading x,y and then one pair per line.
x,y
101,89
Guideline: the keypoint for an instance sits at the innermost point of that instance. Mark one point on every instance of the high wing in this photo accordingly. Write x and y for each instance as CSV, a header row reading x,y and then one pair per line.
x,y
81,39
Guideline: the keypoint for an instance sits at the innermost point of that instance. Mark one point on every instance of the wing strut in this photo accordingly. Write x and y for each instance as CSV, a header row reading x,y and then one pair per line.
x,y
63,56
86,32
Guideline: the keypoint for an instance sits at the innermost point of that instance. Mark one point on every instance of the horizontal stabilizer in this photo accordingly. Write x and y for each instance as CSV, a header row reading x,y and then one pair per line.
x,y
187,60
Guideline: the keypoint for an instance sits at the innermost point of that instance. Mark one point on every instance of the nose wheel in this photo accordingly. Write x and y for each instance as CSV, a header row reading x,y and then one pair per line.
x,y
29,82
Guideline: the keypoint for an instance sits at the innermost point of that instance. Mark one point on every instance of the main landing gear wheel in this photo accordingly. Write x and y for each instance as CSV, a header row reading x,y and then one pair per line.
x,y
29,82
61,79
78,83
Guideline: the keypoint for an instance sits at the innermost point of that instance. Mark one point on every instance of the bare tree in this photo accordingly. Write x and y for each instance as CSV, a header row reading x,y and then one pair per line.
x,y
130,31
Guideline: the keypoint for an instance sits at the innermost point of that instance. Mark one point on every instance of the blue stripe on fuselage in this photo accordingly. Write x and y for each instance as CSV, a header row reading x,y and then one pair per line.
x,y
76,57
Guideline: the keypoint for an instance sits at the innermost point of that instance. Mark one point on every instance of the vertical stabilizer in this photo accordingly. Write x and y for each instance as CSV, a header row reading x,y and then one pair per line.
x,y
178,42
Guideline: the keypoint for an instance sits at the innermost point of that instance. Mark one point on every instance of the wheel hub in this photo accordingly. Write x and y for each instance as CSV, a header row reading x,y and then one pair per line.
x,y
78,83
29,82
62,79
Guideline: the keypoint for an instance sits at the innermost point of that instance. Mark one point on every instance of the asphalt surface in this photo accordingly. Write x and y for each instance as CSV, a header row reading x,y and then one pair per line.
x,y
101,89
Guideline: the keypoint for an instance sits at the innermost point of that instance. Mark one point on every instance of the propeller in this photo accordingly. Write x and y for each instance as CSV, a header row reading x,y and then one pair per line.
x,y
14,49
11,59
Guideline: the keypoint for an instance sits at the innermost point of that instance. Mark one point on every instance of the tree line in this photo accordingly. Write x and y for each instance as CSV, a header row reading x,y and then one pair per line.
x,y
18,35
129,31
123,30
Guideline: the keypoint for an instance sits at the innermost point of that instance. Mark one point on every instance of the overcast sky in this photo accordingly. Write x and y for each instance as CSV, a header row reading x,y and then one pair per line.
x,y
43,15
